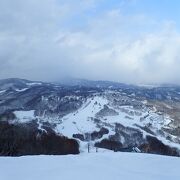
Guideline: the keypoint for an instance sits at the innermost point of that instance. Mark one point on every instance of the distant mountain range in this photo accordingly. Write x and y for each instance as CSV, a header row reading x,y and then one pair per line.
x,y
77,115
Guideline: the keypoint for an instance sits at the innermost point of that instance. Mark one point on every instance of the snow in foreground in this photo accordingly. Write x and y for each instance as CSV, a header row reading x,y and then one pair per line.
x,y
105,166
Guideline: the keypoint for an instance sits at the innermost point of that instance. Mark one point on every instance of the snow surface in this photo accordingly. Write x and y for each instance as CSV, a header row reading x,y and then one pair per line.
x,y
24,116
79,121
33,83
92,166
3,91
21,90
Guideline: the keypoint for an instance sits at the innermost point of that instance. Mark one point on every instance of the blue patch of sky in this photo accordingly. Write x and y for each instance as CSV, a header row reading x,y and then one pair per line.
x,y
159,10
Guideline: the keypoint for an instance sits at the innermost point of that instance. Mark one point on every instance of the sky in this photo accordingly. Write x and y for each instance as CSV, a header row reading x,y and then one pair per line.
x,y
129,41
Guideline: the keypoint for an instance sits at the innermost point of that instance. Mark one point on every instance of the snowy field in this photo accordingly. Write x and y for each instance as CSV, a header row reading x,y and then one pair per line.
x,y
93,166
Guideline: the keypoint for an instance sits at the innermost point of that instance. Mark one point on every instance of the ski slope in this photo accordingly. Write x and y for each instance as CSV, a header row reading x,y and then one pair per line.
x,y
79,122
92,166
82,120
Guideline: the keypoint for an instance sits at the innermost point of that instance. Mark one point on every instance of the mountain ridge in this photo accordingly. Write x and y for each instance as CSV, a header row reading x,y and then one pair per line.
x,y
119,118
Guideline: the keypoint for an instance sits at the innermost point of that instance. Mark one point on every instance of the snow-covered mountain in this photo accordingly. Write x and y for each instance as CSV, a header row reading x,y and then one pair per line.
x,y
96,115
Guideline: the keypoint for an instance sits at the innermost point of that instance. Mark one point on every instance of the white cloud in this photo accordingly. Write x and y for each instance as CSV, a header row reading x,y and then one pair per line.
x,y
37,41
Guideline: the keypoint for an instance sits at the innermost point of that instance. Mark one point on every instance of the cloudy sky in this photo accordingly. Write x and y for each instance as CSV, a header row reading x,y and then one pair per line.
x,y
132,41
